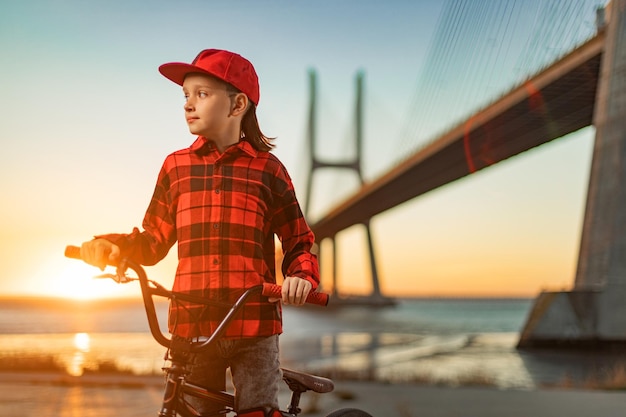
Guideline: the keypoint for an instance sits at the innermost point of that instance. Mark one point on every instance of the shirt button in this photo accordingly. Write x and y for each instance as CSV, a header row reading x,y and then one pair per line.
x,y
217,191
216,261
216,225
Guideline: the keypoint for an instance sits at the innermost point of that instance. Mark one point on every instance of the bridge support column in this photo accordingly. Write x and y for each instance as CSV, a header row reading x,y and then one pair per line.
x,y
594,312
376,297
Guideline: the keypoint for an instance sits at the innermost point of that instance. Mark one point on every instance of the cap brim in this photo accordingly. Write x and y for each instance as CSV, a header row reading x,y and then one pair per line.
x,y
177,71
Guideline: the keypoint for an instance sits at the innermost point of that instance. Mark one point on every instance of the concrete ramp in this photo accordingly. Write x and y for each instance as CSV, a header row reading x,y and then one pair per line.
x,y
559,318
579,319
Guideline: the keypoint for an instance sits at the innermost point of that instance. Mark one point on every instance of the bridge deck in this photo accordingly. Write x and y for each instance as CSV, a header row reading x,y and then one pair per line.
x,y
557,101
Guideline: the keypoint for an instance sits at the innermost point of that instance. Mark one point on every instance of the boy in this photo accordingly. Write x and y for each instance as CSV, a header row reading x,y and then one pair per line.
x,y
223,199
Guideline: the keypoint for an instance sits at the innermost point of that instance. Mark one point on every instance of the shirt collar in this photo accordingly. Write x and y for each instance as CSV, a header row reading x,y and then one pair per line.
x,y
247,147
199,144
202,143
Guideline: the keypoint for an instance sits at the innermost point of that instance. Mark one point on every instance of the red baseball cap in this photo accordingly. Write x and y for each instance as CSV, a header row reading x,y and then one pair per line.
x,y
225,65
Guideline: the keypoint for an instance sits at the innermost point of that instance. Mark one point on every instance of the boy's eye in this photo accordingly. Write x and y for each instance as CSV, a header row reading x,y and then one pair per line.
x,y
199,94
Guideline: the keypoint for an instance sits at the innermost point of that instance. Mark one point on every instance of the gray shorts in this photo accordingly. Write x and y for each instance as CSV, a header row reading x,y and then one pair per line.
x,y
254,366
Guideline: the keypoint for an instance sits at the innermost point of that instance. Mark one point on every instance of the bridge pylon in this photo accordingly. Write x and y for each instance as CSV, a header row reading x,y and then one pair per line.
x,y
593,313
375,297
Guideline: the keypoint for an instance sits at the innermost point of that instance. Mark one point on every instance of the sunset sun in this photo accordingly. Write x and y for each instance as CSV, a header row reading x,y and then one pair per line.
x,y
78,281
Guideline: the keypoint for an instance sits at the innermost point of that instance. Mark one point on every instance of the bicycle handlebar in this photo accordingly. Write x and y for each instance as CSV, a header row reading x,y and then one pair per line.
x,y
269,290
151,288
73,252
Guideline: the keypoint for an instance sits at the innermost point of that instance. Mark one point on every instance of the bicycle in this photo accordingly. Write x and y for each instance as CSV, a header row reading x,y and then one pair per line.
x,y
179,352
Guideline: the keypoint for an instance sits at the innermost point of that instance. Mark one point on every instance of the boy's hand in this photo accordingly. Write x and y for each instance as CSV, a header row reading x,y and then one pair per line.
x,y
100,252
295,291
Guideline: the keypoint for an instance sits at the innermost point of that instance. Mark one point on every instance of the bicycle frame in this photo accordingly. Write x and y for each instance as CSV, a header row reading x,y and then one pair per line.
x,y
176,386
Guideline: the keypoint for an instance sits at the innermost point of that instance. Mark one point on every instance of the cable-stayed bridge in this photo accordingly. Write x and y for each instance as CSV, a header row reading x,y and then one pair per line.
x,y
586,85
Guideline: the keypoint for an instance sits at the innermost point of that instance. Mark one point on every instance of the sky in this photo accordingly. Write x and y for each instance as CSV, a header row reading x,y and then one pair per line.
x,y
87,121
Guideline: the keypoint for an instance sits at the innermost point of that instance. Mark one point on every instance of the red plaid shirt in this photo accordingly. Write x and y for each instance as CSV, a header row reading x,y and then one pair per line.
x,y
223,209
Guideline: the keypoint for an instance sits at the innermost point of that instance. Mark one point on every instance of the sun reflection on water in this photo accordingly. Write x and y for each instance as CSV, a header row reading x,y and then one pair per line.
x,y
82,342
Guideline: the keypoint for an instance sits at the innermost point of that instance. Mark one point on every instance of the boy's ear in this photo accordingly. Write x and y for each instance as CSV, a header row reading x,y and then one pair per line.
x,y
240,104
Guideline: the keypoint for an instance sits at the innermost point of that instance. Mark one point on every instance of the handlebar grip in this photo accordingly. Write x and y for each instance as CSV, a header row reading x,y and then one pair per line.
x,y
275,290
72,252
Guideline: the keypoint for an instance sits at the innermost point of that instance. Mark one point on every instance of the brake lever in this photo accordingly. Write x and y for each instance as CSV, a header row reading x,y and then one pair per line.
x,y
120,274
120,277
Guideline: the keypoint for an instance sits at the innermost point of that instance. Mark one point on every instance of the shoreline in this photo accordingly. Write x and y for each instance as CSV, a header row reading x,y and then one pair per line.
x,y
103,380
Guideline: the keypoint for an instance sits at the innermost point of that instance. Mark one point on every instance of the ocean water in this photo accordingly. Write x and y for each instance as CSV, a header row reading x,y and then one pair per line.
x,y
437,341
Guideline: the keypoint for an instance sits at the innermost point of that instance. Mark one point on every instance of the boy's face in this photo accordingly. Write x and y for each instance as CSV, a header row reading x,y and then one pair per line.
x,y
207,106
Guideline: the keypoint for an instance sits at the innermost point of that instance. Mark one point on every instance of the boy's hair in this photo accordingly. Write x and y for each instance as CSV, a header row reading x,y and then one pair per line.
x,y
250,129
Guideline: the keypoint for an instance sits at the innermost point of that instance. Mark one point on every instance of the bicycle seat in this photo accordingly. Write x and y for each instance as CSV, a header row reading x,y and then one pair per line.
x,y
299,381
